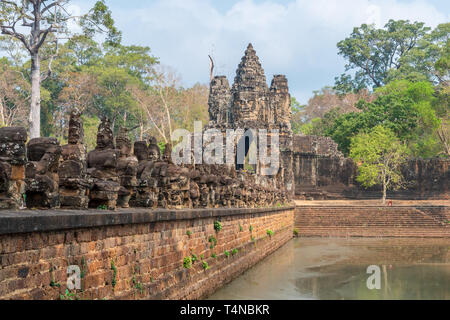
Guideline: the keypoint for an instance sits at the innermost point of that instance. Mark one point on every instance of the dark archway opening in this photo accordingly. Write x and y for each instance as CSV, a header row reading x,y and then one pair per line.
x,y
242,151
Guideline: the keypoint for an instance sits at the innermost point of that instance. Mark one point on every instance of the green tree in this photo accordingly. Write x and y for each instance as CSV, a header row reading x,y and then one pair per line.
x,y
46,20
321,126
90,126
379,155
297,118
372,53
403,106
428,60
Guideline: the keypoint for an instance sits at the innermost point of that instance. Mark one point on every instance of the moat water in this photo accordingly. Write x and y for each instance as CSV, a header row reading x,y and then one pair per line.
x,y
312,268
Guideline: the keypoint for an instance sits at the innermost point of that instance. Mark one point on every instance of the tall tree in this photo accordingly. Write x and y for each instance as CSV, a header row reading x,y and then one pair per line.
x,y
298,118
403,106
43,18
372,53
379,155
428,60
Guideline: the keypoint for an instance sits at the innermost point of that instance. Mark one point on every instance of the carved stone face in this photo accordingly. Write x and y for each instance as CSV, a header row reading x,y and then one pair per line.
x,y
141,150
105,138
123,142
76,133
124,148
154,154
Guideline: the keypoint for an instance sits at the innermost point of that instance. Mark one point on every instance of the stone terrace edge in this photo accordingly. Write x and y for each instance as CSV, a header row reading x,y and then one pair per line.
x,y
26,221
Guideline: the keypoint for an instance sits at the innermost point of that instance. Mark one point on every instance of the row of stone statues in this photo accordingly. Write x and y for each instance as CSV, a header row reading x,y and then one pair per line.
x,y
43,174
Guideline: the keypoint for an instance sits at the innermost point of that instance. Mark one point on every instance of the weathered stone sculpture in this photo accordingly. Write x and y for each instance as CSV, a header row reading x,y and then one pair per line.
x,y
127,166
147,189
219,102
250,104
12,166
174,182
102,169
74,184
41,173
280,101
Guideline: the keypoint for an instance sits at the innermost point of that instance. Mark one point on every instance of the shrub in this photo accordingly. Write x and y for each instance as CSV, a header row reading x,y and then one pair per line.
x,y
213,241
205,265
114,269
217,226
187,262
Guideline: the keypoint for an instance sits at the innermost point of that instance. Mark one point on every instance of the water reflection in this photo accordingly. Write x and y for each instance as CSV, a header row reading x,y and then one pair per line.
x,y
308,268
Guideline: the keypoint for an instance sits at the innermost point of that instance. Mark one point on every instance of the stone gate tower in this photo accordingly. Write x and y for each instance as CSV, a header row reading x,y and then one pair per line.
x,y
251,104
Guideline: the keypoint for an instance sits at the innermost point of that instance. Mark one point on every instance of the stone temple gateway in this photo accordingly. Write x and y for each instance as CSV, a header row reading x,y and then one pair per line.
x,y
229,215
251,104
312,167
42,174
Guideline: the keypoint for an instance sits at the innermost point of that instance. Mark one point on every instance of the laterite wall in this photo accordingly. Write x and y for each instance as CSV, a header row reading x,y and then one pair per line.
x,y
133,253
372,221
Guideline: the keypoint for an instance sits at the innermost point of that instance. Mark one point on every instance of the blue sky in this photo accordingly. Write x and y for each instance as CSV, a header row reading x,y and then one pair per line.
x,y
293,37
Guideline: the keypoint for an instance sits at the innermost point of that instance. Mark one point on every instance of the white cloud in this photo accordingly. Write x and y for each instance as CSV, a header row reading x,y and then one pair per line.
x,y
73,24
296,38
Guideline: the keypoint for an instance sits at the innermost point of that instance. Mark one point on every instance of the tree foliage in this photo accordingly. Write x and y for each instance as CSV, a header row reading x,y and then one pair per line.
x,y
379,155
400,50
401,75
403,106
38,25
122,82
14,95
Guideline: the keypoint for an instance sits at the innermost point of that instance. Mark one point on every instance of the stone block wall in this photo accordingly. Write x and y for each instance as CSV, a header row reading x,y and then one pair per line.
x,y
316,145
133,253
321,172
12,166
353,221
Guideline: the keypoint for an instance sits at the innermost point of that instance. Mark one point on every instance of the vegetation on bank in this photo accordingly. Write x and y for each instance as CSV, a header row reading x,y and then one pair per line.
x,y
102,78
392,102
397,77
396,80
379,155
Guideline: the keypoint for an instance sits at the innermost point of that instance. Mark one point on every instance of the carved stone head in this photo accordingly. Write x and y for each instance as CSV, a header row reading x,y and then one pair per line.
x,y
105,138
123,142
154,153
76,132
141,150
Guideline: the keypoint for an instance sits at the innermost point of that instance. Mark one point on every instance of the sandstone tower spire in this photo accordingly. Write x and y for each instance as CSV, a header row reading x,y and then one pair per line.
x,y
250,103
249,91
